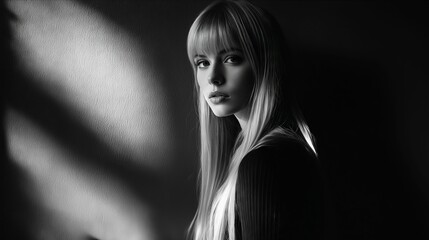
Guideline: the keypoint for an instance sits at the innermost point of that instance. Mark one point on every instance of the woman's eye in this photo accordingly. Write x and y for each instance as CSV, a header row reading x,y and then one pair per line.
x,y
233,59
202,63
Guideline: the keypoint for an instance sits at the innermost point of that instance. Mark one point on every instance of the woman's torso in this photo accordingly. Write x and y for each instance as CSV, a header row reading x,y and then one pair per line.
x,y
279,193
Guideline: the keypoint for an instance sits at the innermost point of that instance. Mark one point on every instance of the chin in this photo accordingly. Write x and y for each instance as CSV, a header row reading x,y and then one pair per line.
x,y
221,112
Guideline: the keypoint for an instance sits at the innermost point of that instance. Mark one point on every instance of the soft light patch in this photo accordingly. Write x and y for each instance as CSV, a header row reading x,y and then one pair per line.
x,y
97,71
73,201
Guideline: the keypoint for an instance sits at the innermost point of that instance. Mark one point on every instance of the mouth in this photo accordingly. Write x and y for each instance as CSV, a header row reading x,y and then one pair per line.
x,y
218,94
218,97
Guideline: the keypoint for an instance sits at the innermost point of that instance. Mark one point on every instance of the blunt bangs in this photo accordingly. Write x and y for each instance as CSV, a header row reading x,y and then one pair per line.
x,y
212,32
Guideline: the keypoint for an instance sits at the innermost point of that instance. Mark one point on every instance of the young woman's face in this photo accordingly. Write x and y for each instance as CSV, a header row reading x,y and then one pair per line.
x,y
226,80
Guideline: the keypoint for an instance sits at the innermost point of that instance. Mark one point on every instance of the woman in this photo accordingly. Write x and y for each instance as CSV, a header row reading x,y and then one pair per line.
x,y
260,177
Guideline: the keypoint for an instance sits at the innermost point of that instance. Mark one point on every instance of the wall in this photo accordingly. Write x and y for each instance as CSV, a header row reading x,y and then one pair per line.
x,y
99,130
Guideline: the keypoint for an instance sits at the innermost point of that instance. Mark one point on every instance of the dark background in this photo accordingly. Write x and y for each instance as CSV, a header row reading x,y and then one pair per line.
x,y
362,80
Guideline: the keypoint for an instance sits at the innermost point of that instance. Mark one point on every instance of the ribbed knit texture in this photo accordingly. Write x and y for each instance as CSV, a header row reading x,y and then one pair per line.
x,y
279,194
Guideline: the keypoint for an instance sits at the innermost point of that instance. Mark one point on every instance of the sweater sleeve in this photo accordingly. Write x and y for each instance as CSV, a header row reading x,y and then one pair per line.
x,y
278,196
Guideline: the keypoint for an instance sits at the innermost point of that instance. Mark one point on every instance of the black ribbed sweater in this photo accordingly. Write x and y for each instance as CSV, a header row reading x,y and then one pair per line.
x,y
279,193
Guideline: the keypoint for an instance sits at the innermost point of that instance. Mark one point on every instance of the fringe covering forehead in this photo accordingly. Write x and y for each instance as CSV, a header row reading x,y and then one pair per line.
x,y
211,34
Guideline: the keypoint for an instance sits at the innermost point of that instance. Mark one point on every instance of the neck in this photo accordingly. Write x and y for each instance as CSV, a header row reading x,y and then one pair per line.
x,y
243,117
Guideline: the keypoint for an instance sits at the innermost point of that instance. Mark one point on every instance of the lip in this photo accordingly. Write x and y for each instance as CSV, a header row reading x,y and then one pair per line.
x,y
218,99
218,94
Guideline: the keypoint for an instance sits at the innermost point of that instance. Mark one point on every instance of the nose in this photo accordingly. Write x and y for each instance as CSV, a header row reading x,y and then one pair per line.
x,y
216,77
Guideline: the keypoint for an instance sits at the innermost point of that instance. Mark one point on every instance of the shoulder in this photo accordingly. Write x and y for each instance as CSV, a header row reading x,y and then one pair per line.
x,y
280,153
279,192
283,161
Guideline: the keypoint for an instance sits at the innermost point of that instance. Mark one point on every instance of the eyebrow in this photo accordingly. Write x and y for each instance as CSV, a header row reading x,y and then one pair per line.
x,y
221,52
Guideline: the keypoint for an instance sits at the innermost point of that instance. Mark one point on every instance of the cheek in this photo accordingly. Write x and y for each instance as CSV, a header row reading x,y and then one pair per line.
x,y
202,84
244,85
200,80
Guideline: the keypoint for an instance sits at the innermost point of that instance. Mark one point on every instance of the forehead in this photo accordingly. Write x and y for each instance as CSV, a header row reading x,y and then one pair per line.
x,y
218,53
213,39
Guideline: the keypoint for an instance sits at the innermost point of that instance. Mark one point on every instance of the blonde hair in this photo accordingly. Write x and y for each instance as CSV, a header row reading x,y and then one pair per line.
x,y
273,114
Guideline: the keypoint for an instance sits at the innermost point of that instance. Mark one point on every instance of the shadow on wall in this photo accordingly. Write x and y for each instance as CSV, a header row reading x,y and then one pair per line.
x,y
348,108
88,140
16,205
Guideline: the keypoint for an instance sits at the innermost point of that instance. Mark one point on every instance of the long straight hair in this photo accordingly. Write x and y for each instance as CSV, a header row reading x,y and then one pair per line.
x,y
273,112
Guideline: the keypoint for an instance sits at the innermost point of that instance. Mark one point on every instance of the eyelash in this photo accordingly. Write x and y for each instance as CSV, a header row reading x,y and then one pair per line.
x,y
235,60
198,62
